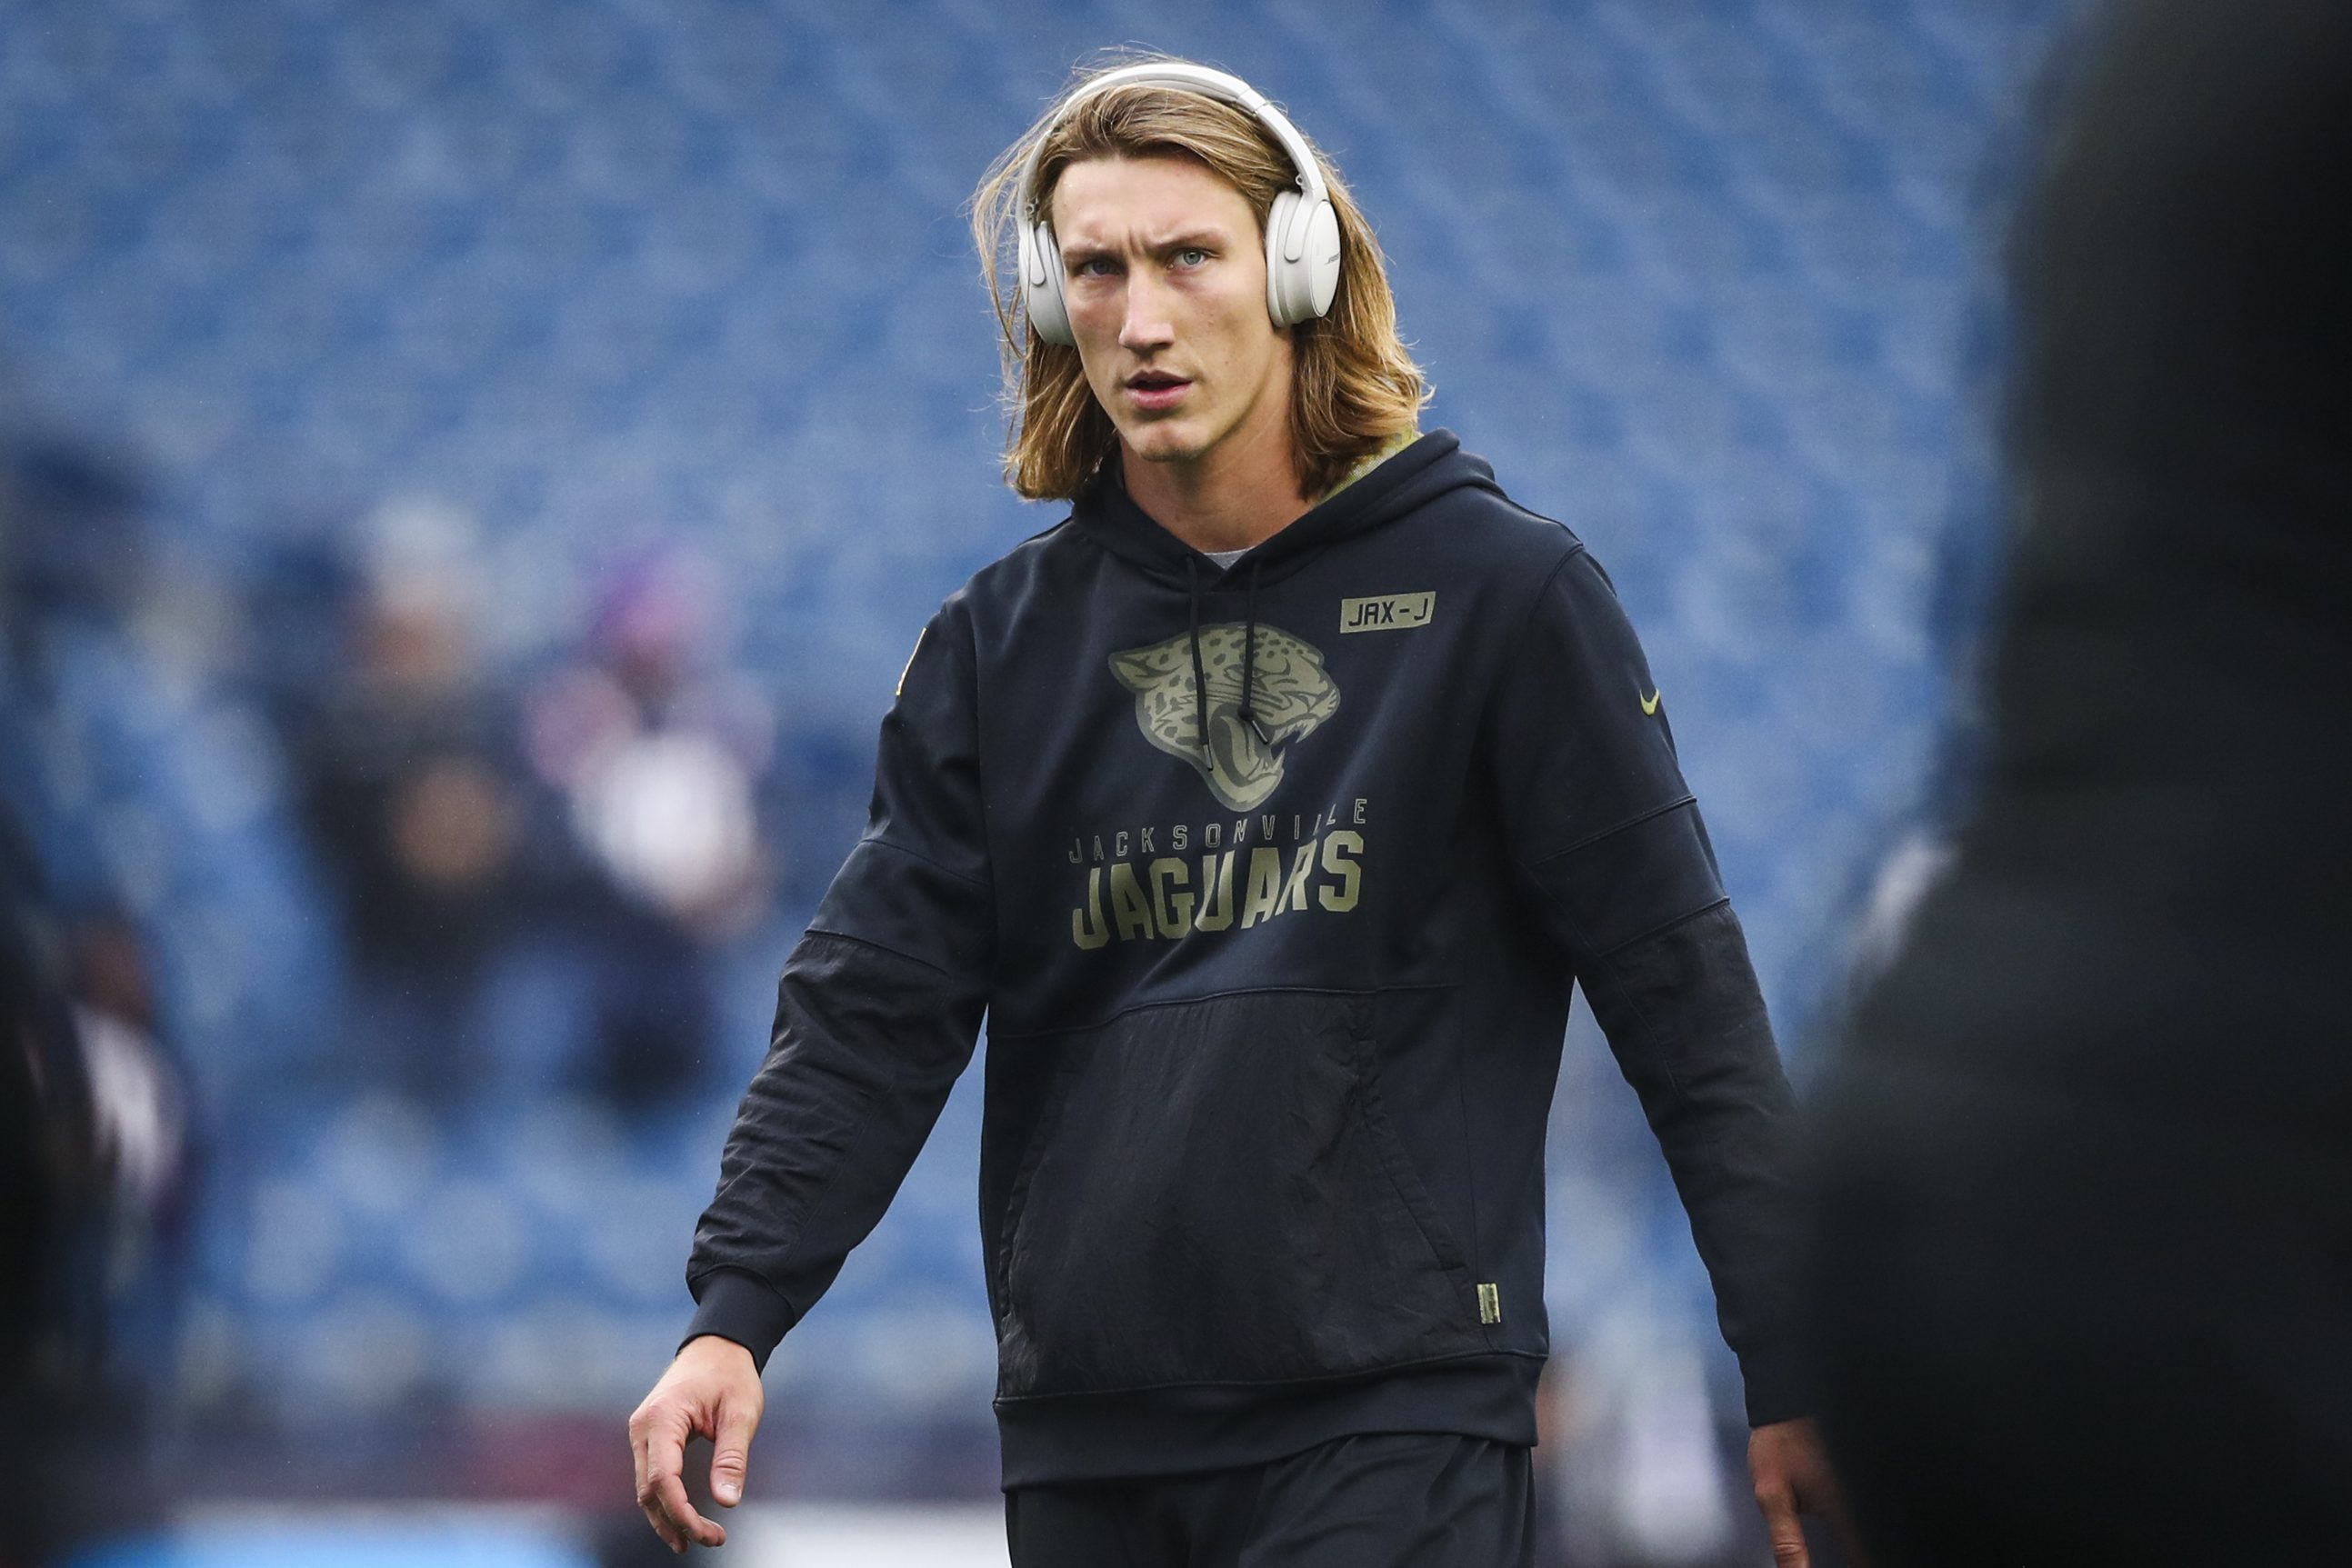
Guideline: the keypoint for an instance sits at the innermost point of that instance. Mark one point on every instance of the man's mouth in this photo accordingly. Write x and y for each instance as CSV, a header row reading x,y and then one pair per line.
x,y
1155,389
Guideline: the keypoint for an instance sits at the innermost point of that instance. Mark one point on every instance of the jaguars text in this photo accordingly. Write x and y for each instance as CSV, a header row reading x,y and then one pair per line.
x,y
1215,876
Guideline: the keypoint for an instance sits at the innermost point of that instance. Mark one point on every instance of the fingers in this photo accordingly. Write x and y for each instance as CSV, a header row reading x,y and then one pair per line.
x,y
657,1438
1817,1491
1788,1537
637,1455
731,1451
673,1517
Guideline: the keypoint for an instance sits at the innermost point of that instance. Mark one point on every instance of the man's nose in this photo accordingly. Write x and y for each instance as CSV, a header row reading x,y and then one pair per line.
x,y
1147,324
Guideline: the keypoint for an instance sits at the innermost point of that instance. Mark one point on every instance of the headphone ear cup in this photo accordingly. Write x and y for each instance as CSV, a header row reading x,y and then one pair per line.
x,y
1282,291
1041,284
1302,259
1321,262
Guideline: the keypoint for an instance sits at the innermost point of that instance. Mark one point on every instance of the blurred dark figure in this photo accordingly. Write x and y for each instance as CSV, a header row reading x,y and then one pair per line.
x,y
49,1203
96,1164
2084,1287
411,791
92,1189
657,758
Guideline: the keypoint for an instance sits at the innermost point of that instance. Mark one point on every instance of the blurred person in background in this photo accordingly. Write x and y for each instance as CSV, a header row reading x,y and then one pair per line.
x,y
1270,806
99,1144
654,756
2083,1283
95,1167
95,1189
51,1197
412,789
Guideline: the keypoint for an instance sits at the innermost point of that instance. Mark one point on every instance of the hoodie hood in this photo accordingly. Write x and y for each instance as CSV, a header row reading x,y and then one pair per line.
x,y
1428,468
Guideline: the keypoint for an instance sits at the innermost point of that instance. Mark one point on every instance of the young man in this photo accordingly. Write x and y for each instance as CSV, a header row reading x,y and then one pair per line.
x,y
1269,805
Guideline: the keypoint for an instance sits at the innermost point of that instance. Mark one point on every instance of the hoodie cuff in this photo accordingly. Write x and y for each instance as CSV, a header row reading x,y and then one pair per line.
x,y
1777,1386
736,1305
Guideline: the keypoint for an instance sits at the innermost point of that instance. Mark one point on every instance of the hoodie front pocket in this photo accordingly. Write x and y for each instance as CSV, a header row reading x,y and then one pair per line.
x,y
1216,1196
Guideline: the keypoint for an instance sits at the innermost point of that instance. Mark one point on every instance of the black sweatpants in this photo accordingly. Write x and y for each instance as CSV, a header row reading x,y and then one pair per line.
x,y
1412,1500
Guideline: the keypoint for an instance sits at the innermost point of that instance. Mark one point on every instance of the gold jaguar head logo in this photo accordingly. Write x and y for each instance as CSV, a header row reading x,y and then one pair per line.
x,y
1240,762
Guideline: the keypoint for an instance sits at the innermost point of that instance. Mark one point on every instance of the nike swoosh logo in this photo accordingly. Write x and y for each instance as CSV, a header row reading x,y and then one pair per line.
x,y
1650,703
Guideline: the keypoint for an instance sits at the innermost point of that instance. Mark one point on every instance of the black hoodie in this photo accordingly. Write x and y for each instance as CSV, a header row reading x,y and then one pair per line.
x,y
1274,1024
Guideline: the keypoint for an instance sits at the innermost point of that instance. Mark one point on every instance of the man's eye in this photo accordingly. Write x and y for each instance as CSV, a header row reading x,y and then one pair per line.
x,y
1095,266
1192,255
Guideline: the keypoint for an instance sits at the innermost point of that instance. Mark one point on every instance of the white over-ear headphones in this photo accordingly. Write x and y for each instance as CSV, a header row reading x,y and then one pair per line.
x,y
1302,231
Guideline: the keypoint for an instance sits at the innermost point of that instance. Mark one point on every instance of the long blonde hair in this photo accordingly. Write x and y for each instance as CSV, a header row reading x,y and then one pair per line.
x,y
1353,386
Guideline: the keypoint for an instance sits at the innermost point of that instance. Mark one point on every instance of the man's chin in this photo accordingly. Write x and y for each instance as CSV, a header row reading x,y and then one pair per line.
x,y
1163,443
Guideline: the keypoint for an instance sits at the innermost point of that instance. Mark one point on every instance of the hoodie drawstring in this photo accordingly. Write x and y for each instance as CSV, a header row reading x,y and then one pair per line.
x,y
1248,711
1200,680
1249,659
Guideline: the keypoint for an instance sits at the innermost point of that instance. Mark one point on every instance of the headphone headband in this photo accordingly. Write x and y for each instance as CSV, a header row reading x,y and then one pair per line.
x,y
1302,228
1185,78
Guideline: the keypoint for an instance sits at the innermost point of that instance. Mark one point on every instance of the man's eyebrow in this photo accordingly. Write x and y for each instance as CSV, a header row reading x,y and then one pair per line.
x,y
1192,239
1080,250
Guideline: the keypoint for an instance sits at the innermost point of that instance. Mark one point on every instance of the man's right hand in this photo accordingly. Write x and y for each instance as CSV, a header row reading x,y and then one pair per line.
x,y
713,1389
